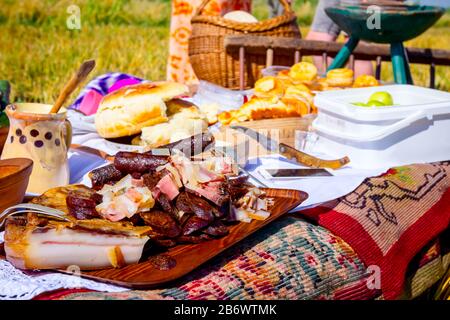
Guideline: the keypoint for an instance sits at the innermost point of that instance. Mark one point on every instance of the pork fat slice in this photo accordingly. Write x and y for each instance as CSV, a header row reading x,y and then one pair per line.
x,y
60,245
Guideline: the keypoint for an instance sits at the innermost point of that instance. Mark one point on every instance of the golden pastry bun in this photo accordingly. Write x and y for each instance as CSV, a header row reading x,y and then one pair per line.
x,y
266,108
365,81
259,108
303,71
319,84
211,110
341,77
300,92
126,111
268,87
185,122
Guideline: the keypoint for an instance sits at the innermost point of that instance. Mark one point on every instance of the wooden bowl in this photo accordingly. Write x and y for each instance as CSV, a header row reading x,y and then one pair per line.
x,y
3,136
14,176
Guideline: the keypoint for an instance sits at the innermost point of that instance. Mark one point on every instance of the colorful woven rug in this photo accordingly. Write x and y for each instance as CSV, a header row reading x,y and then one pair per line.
x,y
289,259
386,223
389,219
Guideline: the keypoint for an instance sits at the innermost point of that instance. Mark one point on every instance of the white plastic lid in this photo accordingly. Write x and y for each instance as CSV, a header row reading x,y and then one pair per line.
x,y
408,99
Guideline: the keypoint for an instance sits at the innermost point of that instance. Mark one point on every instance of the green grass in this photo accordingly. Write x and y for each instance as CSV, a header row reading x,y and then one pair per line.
x,y
38,53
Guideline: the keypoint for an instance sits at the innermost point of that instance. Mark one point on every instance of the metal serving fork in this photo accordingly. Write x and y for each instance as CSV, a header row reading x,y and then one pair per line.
x,y
34,208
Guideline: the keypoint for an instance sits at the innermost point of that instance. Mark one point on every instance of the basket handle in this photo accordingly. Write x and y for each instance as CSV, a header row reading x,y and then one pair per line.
x,y
284,3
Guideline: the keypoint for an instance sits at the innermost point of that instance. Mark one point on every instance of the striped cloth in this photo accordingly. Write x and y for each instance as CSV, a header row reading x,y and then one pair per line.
x,y
101,85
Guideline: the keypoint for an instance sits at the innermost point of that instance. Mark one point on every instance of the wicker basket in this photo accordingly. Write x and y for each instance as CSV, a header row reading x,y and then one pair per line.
x,y
209,58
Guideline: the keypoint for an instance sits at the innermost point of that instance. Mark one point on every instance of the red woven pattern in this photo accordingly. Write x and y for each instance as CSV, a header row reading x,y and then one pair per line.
x,y
388,220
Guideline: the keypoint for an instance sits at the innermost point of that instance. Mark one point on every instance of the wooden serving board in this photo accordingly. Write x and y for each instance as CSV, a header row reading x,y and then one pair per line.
x,y
189,257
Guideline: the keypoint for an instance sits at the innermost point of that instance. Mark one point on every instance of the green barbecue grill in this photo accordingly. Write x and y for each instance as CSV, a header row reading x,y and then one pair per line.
x,y
398,23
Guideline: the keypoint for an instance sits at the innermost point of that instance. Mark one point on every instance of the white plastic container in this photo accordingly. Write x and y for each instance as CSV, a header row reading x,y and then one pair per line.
x,y
416,129
226,99
273,70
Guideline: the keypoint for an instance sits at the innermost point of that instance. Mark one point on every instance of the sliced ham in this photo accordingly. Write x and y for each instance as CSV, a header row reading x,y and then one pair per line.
x,y
168,186
205,175
213,191
124,199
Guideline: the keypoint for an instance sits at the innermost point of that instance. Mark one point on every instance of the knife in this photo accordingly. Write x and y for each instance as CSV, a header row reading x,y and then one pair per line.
x,y
290,152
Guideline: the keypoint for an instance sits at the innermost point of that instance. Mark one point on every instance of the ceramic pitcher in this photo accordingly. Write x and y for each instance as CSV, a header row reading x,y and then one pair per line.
x,y
43,138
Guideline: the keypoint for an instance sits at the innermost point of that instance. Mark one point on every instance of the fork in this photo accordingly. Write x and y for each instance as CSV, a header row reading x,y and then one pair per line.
x,y
34,208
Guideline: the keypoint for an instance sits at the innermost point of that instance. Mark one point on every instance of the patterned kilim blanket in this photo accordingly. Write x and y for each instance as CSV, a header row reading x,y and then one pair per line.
x,y
389,219
384,223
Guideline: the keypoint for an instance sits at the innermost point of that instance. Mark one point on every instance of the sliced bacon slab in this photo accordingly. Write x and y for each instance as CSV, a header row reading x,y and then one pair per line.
x,y
58,245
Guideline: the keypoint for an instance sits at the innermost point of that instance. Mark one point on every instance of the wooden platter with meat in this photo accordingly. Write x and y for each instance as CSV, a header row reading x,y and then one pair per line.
x,y
147,219
188,257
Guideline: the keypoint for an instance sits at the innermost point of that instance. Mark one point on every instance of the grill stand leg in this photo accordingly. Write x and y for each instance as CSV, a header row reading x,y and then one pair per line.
x,y
341,58
400,65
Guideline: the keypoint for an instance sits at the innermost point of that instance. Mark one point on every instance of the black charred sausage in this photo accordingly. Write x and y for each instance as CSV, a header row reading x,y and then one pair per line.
x,y
131,162
82,204
103,175
191,146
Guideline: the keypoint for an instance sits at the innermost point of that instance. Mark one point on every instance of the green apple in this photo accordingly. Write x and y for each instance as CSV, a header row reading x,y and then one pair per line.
x,y
359,104
375,103
383,97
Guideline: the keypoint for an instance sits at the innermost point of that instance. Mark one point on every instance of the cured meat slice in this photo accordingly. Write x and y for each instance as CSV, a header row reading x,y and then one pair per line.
x,y
168,187
162,181
194,224
192,204
202,209
165,204
151,179
83,213
214,191
124,199
162,222
183,203
216,229
166,243
162,262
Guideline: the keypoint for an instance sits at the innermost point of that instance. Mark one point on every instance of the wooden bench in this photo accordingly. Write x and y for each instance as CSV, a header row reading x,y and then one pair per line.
x,y
300,47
